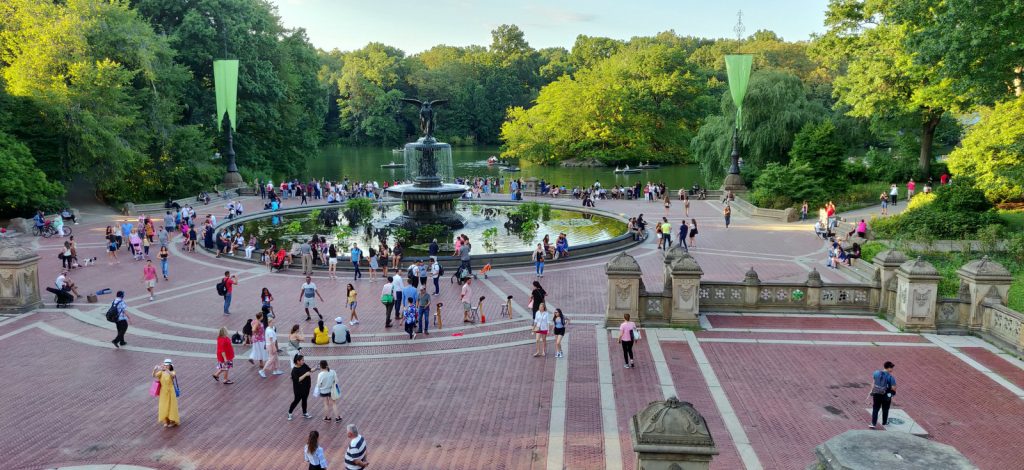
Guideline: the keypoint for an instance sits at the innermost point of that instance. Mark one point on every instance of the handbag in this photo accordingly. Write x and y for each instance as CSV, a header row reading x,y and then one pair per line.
x,y
387,298
530,303
154,389
336,391
177,391
635,333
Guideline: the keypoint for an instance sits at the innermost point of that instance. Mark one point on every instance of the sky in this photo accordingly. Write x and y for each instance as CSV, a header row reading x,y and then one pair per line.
x,y
415,26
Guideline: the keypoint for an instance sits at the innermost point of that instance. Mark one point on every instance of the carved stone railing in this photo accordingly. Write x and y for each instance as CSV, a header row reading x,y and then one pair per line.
x,y
1003,324
951,315
785,296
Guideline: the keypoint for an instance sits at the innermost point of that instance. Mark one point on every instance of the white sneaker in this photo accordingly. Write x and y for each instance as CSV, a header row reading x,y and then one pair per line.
x,y
353,322
262,374
278,372
357,321
151,298
289,416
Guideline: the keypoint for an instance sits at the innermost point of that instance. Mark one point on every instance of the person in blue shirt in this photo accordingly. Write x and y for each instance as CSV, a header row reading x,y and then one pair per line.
x,y
357,256
882,390
39,219
409,293
683,231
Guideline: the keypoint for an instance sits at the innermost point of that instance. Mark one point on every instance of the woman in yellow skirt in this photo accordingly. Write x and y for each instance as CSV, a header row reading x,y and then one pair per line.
x,y
167,412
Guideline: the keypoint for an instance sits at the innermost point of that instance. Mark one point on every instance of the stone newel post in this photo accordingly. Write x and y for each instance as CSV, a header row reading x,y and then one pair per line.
x,y
671,435
917,291
624,285
813,288
888,262
984,278
686,275
752,285
19,278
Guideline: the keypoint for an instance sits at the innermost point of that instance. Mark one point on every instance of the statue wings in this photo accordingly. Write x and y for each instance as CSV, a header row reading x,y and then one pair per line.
x,y
421,103
412,101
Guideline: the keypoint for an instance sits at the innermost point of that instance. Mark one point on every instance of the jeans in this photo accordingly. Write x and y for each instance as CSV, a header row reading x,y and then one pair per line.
x,y
437,288
469,268
409,328
358,274
227,303
666,241
122,328
539,267
627,351
387,313
682,242
163,266
301,395
398,304
883,402
424,320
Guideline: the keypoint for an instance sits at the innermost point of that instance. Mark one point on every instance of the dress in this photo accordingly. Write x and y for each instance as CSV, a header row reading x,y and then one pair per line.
x,y
259,343
168,403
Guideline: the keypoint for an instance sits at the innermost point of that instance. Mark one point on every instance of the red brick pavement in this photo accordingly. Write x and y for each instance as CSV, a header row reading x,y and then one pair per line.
x,y
415,413
635,389
584,442
795,323
997,364
691,387
791,398
812,337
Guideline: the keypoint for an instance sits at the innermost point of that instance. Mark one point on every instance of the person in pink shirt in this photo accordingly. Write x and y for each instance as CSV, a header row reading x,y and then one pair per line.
x,y
910,188
628,334
149,277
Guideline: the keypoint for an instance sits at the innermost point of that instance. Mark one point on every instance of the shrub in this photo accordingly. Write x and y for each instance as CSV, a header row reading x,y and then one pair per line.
x,y
884,165
871,249
358,210
920,200
781,186
989,237
1015,247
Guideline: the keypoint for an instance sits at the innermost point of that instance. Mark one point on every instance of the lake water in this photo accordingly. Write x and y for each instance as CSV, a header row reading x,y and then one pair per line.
x,y
338,161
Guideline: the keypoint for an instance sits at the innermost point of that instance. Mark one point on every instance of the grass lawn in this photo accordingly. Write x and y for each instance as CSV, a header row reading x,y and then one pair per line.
x,y
948,263
860,195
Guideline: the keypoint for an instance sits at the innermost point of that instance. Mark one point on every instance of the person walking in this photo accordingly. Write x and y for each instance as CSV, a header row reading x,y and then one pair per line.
x,y
693,233
559,322
372,260
167,403
538,260
306,253
466,297
355,455
329,390
308,294
435,273
911,186
332,261
727,214
686,205
122,319
351,294
163,255
387,297
803,211
301,383
423,307
541,327
684,230
627,335
666,234
537,297
313,453
149,278
272,351
225,356
357,256
884,199
258,353
266,302
882,390
229,282
409,314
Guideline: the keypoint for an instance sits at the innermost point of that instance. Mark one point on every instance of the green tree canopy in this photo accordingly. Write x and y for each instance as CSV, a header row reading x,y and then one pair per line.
x,y
23,187
993,153
818,146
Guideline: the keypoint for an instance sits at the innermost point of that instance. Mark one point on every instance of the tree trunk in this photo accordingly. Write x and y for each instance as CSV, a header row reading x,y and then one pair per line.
x,y
927,137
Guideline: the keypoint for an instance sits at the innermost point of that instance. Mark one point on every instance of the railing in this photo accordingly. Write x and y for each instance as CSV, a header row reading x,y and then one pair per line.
x,y
780,215
1003,323
950,313
791,296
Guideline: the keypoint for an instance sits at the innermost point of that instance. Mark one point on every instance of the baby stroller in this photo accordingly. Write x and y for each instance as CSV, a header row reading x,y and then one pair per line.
x,y
62,297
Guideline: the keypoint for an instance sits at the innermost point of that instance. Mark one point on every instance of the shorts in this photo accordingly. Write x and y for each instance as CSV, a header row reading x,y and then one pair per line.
x,y
542,332
465,306
885,204
332,261
373,263
352,305
559,331
309,302
327,395
225,365
151,283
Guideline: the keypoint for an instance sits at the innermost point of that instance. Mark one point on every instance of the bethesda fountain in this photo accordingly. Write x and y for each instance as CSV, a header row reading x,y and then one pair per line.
x,y
428,200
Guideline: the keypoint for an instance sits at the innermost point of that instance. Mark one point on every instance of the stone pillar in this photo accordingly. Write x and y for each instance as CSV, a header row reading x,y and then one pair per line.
x,y
19,278
813,289
531,186
983,278
916,293
887,262
624,285
752,286
686,274
671,435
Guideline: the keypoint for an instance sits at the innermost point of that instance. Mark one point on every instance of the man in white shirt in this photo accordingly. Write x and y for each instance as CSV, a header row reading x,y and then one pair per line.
x,y
397,284
63,282
435,272
465,296
340,333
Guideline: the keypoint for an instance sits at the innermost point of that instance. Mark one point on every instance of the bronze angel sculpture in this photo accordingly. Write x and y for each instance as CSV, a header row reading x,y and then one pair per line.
x,y
427,123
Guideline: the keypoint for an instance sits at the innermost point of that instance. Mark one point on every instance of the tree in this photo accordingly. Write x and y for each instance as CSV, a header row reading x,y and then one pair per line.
x,y
23,187
975,44
817,146
775,109
643,103
868,42
993,153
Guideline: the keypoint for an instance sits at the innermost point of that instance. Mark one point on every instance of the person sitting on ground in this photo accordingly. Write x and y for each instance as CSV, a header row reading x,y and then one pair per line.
x,y
340,333
562,246
820,230
854,253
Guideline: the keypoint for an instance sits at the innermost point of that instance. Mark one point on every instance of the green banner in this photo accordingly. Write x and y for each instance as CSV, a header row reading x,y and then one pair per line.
x,y
737,66
225,81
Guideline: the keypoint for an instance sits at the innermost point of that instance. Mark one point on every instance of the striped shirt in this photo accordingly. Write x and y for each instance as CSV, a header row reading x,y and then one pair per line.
x,y
356,451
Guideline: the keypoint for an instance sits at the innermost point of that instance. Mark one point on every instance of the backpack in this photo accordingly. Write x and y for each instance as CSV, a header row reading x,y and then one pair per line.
x,y
222,288
112,313
440,270
236,338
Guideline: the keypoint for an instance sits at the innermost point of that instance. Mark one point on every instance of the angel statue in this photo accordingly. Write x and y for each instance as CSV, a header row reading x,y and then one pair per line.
x,y
426,115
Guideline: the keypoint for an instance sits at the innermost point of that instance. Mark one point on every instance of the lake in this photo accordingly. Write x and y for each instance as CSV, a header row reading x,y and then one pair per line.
x,y
338,161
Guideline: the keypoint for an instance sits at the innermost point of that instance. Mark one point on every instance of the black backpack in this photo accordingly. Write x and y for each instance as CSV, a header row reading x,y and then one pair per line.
x,y
222,288
440,270
112,313
236,338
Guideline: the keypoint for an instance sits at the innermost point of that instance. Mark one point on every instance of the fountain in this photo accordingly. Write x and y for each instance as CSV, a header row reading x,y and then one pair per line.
x,y
428,200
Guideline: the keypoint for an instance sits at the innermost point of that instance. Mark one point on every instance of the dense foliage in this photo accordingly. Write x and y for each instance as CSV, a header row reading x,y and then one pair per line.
x,y
993,152
954,212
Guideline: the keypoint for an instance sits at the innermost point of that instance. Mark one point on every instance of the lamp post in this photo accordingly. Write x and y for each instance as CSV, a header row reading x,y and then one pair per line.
x,y
225,74
738,69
